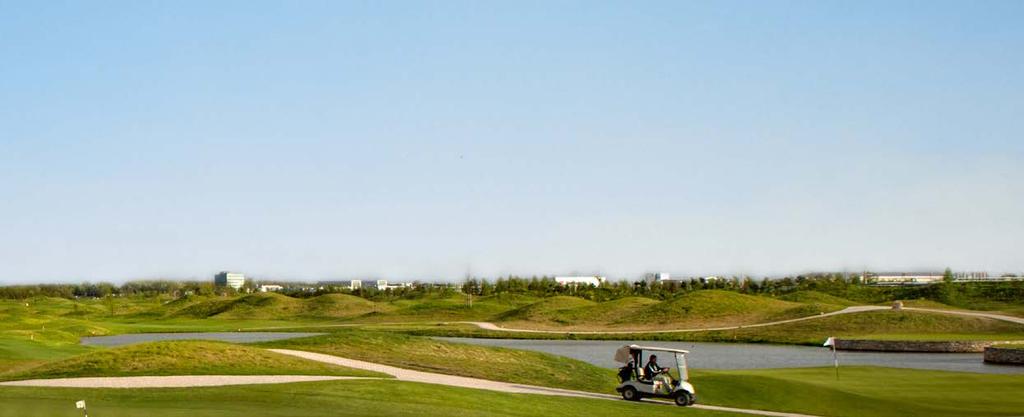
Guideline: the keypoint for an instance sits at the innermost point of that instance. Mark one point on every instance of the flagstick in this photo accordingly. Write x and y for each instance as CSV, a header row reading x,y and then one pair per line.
x,y
835,361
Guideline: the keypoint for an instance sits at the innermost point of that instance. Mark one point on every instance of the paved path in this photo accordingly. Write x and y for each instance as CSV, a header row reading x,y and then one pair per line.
x,y
170,381
460,381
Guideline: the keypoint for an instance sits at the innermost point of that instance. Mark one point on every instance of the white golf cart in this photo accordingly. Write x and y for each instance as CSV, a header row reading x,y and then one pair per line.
x,y
636,385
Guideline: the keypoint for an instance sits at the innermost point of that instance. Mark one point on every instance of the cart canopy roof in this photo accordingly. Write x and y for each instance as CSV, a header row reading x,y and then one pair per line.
x,y
622,353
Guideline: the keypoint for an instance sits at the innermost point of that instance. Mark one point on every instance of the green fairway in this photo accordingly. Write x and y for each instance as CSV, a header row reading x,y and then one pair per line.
x,y
864,391
182,358
316,399
498,364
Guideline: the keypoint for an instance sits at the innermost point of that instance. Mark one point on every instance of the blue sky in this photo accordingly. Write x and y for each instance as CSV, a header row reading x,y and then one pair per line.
x,y
319,140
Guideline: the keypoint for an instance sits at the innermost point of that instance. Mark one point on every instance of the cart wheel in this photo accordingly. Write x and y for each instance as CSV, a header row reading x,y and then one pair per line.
x,y
630,394
682,399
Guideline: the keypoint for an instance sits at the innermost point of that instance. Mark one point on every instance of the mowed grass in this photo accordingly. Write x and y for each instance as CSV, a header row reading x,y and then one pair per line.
x,y
864,391
1010,345
425,354
181,358
318,399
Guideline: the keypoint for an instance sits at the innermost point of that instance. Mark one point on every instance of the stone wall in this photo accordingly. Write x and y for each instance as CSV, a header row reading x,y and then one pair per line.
x,y
995,354
965,346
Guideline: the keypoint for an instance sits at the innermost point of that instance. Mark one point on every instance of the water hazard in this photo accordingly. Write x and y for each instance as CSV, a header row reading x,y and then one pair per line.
x,y
752,356
233,337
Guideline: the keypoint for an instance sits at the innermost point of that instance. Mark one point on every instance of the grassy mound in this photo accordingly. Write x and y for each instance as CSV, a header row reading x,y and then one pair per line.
x,y
450,308
254,306
711,308
863,391
558,312
425,354
338,305
814,297
181,358
548,309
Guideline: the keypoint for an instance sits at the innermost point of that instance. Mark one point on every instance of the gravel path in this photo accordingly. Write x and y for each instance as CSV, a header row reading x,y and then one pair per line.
x,y
170,381
460,381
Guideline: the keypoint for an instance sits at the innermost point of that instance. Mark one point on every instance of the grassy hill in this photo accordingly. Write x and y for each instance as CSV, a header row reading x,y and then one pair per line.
x,y
815,297
450,308
476,361
714,308
181,358
278,306
709,308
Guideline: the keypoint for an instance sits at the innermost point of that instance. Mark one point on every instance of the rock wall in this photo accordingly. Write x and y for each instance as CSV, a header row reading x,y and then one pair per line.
x,y
964,346
995,354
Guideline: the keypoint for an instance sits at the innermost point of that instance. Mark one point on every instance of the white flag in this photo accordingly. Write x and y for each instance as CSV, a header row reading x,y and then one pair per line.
x,y
829,342
80,404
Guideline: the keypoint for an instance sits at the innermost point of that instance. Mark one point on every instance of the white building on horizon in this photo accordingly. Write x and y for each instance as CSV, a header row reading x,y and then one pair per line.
x,y
229,279
902,278
580,280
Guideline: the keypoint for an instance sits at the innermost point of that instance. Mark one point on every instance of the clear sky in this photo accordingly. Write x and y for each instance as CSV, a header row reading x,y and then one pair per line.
x,y
407,139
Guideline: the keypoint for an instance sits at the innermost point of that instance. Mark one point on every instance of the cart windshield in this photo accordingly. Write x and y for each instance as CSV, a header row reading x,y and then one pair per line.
x,y
684,374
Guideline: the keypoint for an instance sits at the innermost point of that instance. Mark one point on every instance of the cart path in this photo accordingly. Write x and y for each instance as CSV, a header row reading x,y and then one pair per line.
x,y
403,374
179,381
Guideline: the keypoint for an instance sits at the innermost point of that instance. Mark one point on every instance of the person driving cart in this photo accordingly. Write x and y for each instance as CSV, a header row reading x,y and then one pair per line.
x,y
656,373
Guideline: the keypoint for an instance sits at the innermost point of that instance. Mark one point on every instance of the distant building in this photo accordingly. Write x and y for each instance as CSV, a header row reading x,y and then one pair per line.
x,y
229,279
975,277
660,278
270,288
902,278
575,281
355,284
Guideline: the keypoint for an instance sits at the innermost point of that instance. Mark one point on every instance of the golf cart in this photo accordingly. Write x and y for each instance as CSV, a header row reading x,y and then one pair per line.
x,y
636,385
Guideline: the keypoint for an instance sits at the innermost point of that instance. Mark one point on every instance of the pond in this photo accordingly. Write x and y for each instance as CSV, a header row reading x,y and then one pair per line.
x,y
750,356
233,337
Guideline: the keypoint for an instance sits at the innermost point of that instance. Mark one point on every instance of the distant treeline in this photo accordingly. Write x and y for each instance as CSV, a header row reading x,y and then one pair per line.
x,y
839,285
105,289
844,286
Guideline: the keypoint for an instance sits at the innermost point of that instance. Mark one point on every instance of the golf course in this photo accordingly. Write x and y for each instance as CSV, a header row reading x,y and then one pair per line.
x,y
338,354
